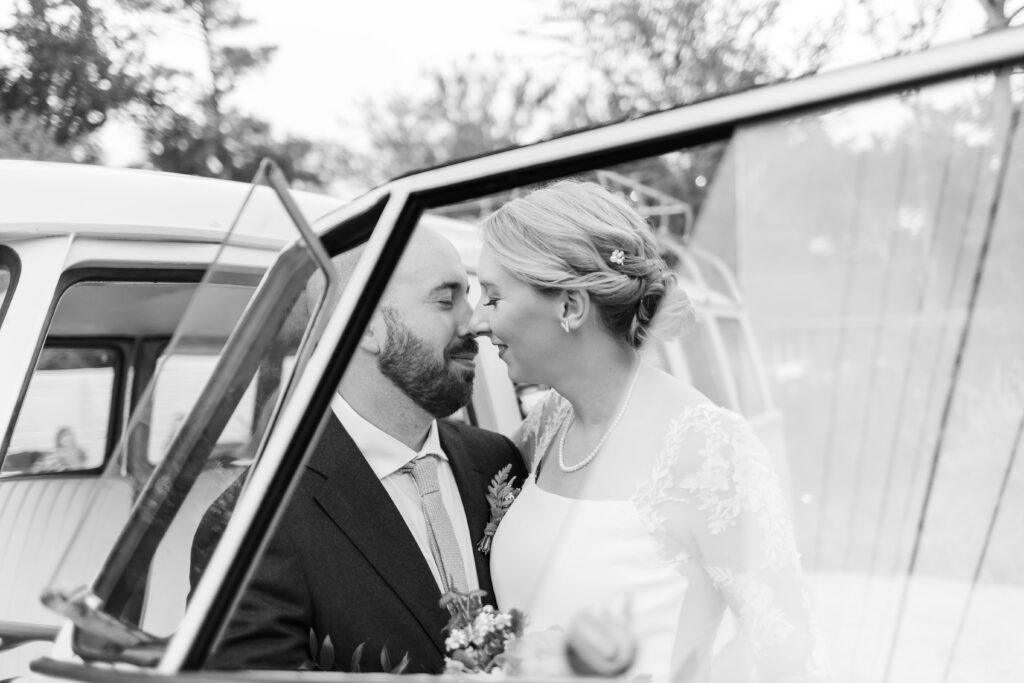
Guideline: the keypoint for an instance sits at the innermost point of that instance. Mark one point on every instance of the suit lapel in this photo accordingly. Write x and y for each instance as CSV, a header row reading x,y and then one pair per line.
x,y
353,497
472,482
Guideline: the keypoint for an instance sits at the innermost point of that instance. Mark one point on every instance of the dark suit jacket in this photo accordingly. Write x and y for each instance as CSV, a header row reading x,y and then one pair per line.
x,y
343,563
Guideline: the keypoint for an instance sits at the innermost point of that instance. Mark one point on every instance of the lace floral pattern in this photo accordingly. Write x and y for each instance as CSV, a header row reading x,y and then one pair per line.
x,y
757,609
713,490
541,426
736,476
713,500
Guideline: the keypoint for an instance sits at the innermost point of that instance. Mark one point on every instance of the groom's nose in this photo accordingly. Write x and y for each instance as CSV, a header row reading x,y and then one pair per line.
x,y
480,324
465,315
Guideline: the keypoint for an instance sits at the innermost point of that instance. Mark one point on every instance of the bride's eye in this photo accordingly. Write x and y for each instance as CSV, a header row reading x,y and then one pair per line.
x,y
492,301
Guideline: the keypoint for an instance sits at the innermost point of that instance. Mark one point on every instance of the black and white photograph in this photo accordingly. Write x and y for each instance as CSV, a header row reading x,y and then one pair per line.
x,y
546,340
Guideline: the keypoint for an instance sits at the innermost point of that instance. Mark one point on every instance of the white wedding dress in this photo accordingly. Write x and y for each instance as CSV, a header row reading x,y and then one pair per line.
x,y
712,483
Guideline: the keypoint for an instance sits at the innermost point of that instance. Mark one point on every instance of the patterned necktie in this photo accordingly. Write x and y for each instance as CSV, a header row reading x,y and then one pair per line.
x,y
443,545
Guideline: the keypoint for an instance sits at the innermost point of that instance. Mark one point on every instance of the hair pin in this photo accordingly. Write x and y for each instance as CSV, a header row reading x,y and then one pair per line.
x,y
618,257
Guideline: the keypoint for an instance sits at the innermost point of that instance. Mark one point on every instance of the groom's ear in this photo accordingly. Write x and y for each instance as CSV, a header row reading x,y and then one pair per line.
x,y
372,340
575,307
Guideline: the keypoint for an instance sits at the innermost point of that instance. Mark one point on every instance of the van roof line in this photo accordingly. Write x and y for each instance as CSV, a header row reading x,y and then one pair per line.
x,y
78,197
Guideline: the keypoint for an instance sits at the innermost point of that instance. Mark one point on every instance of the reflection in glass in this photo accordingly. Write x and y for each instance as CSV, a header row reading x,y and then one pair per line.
x,y
64,419
876,248
192,433
744,366
179,381
880,246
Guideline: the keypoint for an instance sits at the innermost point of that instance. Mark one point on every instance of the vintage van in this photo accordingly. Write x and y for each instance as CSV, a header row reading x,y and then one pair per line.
x,y
870,217
94,288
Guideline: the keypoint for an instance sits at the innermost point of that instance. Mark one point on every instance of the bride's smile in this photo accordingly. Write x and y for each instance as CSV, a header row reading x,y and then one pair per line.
x,y
520,321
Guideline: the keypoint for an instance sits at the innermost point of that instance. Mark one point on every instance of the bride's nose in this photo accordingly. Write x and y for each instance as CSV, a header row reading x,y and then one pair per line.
x,y
480,323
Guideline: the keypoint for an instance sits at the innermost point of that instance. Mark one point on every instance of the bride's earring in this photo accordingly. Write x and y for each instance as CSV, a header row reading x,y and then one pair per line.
x,y
565,325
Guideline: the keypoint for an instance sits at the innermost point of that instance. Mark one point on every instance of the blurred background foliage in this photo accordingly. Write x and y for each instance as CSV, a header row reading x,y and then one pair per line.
x,y
72,65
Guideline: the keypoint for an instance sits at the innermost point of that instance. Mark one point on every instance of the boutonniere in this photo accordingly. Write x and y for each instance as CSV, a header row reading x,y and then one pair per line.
x,y
500,495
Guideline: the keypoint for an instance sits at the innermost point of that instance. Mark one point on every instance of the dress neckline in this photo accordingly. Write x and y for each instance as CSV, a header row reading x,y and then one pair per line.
x,y
562,413
570,499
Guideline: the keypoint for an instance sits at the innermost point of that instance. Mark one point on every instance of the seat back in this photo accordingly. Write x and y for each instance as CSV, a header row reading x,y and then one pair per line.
x,y
39,516
168,586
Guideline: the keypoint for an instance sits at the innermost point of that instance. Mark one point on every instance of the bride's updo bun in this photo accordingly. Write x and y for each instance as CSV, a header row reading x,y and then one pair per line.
x,y
578,235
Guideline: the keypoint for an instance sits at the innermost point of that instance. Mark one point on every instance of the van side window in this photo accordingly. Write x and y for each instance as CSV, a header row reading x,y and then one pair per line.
x,y
180,379
64,421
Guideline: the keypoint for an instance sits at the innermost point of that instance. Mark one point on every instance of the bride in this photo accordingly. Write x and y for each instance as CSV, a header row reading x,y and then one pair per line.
x,y
642,492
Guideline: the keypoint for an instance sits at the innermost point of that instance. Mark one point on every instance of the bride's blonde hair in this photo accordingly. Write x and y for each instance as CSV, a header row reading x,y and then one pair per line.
x,y
578,235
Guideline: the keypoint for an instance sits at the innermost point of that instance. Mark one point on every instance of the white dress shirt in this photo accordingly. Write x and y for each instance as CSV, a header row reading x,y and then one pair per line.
x,y
387,455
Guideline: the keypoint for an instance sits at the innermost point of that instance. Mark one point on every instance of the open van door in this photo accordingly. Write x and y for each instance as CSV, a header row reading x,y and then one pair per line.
x,y
199,425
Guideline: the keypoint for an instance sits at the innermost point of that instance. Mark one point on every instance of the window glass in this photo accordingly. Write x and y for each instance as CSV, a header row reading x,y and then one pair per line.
x,y
880,250
179,381
744,370
703,360
64,421
863,261
198,426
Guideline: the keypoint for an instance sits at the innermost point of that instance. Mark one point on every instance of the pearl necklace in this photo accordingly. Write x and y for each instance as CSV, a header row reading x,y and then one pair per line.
x,y
593,454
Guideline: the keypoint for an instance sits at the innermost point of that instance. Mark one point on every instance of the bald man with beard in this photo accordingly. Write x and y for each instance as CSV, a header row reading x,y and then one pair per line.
x,y
352,559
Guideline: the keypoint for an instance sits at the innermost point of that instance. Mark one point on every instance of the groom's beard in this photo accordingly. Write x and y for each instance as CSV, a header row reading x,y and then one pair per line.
x,y
413,367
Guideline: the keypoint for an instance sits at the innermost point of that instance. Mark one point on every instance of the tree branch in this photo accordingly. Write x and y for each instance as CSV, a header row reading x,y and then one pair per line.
x,y
994,12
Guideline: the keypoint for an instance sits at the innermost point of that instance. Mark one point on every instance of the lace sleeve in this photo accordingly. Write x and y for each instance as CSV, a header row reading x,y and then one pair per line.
x,y
715,499
538,429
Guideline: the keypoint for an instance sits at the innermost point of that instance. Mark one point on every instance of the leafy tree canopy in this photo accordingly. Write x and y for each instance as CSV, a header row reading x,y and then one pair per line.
x,y
24,136
71,67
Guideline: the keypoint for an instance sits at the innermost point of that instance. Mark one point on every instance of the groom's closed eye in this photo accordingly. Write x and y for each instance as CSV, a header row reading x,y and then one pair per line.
x,y
444,295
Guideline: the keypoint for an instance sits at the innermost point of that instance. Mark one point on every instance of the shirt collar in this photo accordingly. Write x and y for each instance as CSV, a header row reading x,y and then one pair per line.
x,y
384,453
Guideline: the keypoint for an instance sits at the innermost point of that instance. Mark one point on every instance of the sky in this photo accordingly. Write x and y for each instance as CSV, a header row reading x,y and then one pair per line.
x,y
331,54
334,52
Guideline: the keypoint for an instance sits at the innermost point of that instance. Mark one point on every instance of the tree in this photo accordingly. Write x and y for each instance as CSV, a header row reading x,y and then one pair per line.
x,y
72,68
187,128
914,26
24,136
180,144
467,108
627,57
645,56
191,129
1000,14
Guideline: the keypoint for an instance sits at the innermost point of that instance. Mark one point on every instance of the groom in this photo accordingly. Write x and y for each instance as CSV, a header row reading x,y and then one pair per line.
x,y
392,504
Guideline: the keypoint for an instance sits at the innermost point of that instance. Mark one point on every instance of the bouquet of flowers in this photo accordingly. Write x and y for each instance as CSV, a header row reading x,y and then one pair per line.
x,y
478,634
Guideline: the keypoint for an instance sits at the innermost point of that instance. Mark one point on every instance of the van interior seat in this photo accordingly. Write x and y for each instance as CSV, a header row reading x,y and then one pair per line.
x,y
168,586
39,518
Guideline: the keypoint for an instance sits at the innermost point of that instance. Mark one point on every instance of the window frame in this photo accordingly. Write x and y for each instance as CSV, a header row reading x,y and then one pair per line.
x,y
122,348
87,274
12,264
